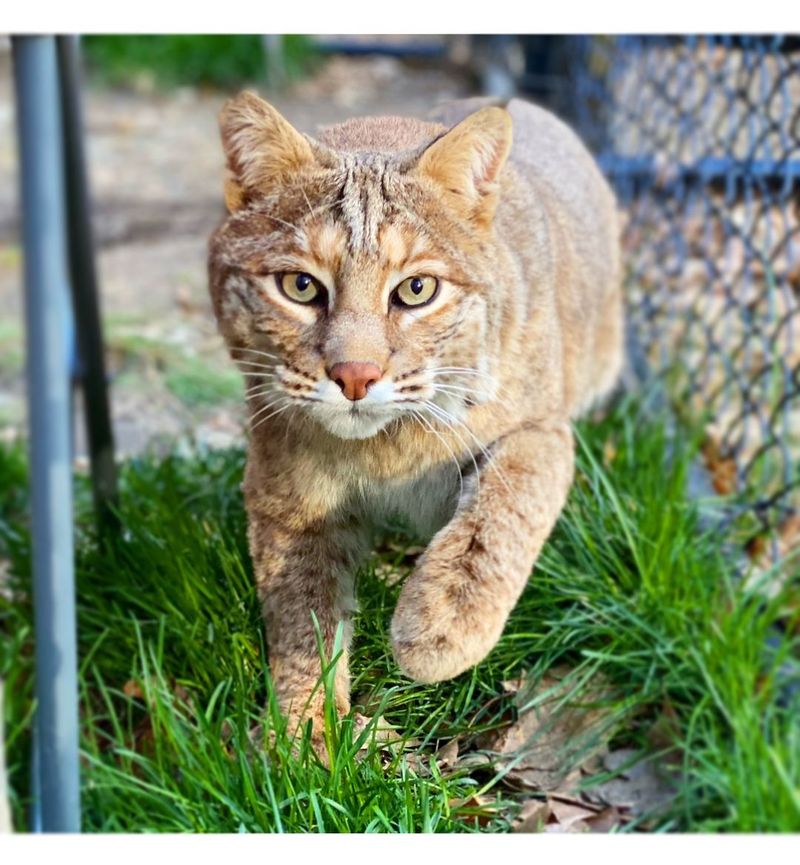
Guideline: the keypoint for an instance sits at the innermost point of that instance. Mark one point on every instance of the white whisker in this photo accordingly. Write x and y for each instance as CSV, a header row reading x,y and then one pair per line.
x,y
262,382
282,221
256,364
496,391
256,351
428,427
260,390
268,405
308,203
448,420
287,405
477,398
461,369
443,414
264,419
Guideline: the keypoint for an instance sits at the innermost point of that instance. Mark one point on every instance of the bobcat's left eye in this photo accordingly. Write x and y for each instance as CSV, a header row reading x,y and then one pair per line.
x,y
416,290
299,287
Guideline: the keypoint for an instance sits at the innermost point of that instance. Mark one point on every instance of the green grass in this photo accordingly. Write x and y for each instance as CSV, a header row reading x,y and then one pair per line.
x,y
196,383
11,354
170,60
632,586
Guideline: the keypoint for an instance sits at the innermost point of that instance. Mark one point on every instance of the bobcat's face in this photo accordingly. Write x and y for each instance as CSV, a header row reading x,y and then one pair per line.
x,y
354,291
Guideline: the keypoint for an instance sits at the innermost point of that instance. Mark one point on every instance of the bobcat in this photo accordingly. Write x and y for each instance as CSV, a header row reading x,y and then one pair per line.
x,y
419,309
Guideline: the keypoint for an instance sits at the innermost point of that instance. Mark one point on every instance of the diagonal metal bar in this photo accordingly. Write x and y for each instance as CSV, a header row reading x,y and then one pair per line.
x,y
83,281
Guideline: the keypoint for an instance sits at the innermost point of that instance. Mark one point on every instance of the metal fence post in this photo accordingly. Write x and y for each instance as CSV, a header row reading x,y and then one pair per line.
x,y
47,315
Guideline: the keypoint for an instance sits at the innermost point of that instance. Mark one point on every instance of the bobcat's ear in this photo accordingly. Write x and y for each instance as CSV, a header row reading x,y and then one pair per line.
x,y
262,148
466,161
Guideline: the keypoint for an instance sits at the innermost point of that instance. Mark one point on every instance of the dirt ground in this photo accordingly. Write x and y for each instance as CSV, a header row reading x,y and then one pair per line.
x,y
156,173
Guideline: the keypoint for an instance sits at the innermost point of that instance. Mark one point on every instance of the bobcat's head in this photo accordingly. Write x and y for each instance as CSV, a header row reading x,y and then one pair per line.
x,y
354,276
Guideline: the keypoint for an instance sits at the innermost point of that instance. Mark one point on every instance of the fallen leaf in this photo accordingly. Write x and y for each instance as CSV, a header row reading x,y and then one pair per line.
x,y
532,816
478,808
447,755
556,731
664,733
591,765
639,788
572,829
475,760
607,820
384,734
132,688
511,686
575,799
566,814
419,764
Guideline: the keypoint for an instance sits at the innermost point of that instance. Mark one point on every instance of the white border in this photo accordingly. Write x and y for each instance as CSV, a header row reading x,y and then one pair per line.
x,y
395,850
410,16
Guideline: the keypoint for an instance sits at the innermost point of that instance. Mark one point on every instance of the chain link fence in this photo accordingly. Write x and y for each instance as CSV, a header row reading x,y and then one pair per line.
x,y
701,139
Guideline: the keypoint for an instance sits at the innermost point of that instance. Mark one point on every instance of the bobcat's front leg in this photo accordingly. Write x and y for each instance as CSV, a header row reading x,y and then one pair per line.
x,y
453,607
302,569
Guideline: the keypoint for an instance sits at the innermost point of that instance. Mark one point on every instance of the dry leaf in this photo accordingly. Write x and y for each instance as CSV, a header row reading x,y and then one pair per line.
x,y
573,829
551,738
511,686
532,816
608,819
568,814
384,734
639,789
477,807
447,755
475,760
664,733
132,688
419,764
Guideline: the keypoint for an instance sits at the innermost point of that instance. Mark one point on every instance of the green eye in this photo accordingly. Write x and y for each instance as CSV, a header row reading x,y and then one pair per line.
x,y
416,290
299,287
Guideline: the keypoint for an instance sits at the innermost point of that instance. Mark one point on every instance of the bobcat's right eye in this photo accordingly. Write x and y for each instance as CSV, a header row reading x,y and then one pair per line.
x,y
299,287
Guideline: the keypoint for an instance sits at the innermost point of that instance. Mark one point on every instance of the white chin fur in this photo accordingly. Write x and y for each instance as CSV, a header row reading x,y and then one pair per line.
x,y
347,425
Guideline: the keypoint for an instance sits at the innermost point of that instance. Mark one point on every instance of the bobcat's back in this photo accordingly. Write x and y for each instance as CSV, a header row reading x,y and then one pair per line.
x,y
555,173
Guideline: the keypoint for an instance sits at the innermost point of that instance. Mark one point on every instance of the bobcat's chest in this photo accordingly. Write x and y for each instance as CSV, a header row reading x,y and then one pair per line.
x,y
424,502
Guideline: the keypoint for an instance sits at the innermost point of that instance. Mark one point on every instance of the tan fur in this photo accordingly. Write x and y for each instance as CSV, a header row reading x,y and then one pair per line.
x,y
509,212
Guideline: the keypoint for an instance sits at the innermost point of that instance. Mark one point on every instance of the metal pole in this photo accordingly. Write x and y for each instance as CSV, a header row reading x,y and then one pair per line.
x,y
47,315
83,280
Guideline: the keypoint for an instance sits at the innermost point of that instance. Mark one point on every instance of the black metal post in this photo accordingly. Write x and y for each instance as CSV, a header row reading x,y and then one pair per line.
x,y
47,314
83,281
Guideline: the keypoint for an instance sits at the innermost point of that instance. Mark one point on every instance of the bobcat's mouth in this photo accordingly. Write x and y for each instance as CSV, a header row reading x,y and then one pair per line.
x,y
355,422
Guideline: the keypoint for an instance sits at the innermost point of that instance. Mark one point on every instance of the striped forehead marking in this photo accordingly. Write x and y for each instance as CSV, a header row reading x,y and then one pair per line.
x,y
363,204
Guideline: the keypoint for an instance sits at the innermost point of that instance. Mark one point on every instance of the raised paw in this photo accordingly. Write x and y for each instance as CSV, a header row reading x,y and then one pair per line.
x,y
448,618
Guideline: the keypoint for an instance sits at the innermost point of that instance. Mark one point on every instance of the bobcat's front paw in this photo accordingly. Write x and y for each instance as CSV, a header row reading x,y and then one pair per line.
x,y
447,619
301,711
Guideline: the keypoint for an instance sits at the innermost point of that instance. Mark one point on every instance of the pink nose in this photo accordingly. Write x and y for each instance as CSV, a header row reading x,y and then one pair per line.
x,y
354,377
